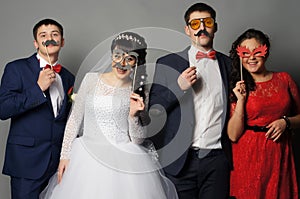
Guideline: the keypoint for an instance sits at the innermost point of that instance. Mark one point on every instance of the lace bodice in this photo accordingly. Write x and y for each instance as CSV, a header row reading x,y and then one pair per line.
x,y
272,99
102,110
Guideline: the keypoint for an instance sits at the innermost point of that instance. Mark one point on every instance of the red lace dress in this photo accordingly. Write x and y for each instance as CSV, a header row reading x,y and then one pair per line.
x,y
264,169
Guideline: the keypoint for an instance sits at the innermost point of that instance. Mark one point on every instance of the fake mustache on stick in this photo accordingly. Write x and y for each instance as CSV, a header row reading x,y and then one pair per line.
x,y
119,66
48,42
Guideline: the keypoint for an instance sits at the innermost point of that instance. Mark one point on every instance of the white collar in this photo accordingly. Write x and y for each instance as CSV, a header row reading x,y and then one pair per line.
x,y
43,62
194,50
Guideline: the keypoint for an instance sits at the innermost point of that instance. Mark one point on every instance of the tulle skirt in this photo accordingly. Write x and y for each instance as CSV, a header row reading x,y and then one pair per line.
x,y
87,178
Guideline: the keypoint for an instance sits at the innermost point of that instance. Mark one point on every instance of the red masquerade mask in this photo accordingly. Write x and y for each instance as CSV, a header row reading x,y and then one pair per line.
x,y
244,52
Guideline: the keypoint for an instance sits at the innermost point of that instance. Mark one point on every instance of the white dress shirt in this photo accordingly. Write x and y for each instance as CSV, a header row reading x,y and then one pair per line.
x,y
209,102
56,89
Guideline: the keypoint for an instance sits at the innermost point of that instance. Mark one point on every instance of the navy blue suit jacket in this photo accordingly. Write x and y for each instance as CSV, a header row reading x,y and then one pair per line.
x,y
35,136
175,136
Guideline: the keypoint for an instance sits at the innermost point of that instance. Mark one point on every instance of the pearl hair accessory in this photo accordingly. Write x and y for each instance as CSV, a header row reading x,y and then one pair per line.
x,y
128,37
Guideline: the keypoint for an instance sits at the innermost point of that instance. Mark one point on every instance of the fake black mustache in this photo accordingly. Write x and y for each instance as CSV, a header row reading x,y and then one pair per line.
x,y
48,42
202,31
119,66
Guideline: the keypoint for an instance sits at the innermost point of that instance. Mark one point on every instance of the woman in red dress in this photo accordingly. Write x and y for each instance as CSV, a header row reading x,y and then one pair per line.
x,y
265,106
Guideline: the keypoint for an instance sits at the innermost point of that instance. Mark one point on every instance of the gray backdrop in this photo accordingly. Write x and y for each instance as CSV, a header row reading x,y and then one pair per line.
x,y
89,22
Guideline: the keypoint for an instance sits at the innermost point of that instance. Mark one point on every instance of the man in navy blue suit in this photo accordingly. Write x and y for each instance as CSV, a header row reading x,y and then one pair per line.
x,y
191,89
36,100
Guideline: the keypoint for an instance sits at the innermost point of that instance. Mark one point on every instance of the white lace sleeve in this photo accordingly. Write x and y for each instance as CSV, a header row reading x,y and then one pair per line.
x,y
75,120
137,132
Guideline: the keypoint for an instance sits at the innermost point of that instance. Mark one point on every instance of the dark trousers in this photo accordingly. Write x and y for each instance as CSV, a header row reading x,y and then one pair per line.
x,y
23,188
203,178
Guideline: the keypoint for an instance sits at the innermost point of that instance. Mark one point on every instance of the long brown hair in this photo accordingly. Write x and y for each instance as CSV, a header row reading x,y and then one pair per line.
x,y
263,39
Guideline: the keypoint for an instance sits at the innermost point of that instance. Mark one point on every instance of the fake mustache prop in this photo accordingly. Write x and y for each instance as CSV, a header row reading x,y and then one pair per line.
x,y
119,66
48,42
202,31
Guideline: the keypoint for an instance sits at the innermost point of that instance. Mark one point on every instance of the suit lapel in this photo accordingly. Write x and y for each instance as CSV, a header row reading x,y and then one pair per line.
x,y
185,56
189,106
34,65
223,71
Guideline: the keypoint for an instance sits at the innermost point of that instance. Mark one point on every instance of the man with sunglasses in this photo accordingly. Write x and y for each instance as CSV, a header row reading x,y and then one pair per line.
x,y
194,98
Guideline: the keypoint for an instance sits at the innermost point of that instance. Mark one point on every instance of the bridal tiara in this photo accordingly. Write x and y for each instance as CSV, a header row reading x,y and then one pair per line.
x,y
128,37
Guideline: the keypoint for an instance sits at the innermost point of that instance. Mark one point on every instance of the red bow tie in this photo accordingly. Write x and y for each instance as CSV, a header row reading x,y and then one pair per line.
x,y
210,55
56,68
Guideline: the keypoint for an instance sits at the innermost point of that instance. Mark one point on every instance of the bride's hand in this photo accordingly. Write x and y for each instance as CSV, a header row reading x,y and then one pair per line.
x,y
136,104
63,164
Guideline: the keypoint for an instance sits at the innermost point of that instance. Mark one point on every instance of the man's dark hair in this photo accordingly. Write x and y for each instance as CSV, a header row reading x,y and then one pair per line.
x,y
47,22
201,7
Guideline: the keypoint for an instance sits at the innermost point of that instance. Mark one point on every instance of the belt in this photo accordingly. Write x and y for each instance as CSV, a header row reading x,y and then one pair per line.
x,y
202,153
257,128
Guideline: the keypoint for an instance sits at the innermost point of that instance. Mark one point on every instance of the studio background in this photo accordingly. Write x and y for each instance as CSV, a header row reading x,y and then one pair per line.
x,y
87,23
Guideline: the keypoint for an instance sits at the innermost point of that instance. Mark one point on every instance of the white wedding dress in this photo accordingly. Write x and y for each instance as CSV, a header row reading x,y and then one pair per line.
x,y
106,162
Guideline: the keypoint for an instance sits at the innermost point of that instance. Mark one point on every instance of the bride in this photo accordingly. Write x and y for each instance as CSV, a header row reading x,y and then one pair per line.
x,y
108,160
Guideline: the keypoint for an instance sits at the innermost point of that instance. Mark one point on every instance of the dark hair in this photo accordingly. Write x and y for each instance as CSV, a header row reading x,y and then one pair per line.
x,y
263,39
132,42
47,22
201,7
